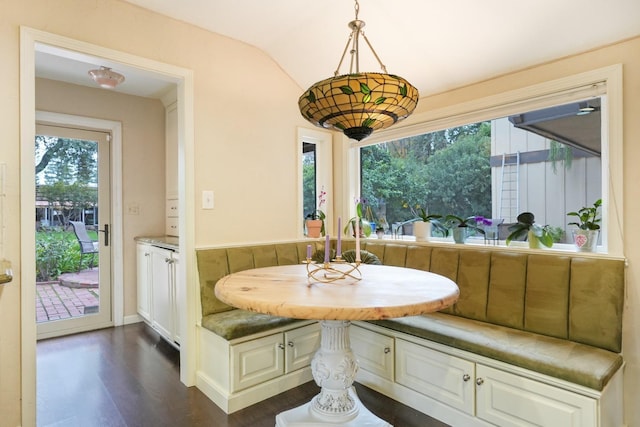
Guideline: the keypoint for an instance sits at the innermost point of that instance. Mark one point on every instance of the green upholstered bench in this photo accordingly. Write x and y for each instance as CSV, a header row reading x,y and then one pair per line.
x,y
213,264
558,314
531,310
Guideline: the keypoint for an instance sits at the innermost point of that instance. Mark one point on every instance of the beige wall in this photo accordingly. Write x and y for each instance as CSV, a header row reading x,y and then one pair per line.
x,y
245,149
143,148
245,119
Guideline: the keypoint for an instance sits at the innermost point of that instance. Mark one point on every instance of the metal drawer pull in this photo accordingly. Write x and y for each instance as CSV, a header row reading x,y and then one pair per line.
x,y
466,377
387,350
281,346
290,343
479,381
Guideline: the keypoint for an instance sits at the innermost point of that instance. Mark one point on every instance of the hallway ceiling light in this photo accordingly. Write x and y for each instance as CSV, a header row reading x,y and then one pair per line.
x,y
358,103
106,78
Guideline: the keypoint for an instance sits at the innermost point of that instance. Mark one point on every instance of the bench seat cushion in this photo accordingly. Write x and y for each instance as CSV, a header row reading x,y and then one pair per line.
x,y
240,323
571,361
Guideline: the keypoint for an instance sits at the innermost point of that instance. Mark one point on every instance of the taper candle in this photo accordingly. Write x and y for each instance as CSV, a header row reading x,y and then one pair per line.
x,y
339,243
308,251
326,250
356,226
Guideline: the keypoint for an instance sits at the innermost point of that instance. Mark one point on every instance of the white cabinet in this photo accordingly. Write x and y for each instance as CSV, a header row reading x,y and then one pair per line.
x,y
164,296
171,219
375,352
440,376
259,360
461,388
171,150
143,259
171,166
508,400
158,291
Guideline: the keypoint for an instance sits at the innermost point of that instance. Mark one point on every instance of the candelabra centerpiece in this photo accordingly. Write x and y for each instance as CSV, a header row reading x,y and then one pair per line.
x,y
333,271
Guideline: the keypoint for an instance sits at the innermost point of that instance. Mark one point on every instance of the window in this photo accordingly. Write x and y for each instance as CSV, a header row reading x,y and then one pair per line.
x,y
562,166
314,173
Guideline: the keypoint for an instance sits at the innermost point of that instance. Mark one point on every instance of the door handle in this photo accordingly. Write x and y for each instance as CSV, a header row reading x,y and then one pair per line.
x,y
106,234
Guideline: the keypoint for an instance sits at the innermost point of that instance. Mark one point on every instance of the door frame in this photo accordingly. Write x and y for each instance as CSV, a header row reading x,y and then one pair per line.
x,y
115,173
30,40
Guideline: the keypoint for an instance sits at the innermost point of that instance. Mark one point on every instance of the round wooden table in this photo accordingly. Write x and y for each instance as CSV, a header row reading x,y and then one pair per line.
x,y
382,292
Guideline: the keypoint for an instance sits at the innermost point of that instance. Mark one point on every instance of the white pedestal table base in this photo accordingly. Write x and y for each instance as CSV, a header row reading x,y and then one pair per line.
x,y
334,368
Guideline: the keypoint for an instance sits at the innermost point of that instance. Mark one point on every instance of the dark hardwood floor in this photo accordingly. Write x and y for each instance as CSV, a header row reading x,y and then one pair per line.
x,y
128,376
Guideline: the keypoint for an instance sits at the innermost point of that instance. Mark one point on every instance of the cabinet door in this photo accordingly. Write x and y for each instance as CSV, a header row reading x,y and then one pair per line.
x,y
171,150
177,295
301,345
374,351
143,259
161,292
440,376
509,400
257,361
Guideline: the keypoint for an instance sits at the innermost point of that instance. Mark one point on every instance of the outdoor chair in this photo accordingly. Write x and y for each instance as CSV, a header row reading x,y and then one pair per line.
x,y
87,246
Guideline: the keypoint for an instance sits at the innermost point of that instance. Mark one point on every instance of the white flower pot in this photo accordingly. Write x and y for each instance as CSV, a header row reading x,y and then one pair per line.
x,y
422,231
586,240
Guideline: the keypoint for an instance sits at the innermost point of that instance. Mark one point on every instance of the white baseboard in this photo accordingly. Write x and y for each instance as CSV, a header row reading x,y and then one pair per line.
x,y
233,402
135,318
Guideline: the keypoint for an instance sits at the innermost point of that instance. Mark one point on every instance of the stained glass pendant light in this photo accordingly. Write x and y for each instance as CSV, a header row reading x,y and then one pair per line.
x,y
358,103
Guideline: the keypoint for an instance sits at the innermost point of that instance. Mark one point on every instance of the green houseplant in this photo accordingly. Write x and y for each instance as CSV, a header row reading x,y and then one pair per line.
x,y
365,225
460,226
527,227
585,237
425,222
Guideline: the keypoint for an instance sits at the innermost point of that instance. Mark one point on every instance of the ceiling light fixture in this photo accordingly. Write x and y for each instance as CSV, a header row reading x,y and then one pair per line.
x,y
106,77
358,103
584,109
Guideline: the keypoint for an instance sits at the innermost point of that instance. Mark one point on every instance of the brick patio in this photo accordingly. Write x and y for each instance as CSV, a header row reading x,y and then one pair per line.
x,y
74,295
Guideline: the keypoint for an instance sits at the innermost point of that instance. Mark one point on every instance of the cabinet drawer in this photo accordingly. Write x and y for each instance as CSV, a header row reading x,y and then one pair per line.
x,y
172,208
302,344
440,376
374,351
256,361
171,225
509,400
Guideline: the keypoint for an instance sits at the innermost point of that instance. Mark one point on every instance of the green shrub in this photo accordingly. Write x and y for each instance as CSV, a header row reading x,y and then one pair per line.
x,y
57,252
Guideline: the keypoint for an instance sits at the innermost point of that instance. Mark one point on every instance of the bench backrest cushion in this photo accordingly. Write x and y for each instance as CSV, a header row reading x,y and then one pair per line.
x,y
214,264
574,297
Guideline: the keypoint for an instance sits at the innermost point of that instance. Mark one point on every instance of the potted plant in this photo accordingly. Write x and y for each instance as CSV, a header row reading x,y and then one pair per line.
x,y
315,220
381,226
526,227
424,222
460,226
364,225
585,237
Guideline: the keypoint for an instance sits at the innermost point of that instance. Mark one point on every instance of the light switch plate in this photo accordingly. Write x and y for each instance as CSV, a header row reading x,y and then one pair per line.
x,y
207,199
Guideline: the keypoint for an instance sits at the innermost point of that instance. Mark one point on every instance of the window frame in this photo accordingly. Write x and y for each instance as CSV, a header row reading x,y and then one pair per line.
x,y
605,82
324,175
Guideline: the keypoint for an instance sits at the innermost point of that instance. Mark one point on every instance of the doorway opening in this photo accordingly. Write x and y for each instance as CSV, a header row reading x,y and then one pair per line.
x,y
32,43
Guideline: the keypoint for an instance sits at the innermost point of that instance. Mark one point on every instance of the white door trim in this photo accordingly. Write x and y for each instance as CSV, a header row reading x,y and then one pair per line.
x,y
30,40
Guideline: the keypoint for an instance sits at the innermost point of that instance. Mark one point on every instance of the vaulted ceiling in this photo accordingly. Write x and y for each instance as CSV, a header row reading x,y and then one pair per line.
x,y
437,46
